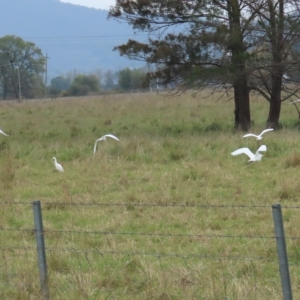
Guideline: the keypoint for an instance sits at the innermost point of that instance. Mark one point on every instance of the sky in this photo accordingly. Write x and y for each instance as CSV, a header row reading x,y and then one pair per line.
x,y
102,4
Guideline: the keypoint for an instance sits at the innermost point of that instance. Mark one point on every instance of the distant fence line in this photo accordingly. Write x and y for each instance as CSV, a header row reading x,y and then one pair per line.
x,y
41,233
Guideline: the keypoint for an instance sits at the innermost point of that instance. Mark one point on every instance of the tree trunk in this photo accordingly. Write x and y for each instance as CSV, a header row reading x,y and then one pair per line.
x,y
242,105
277,46
236,109
275,103
242,117
274,114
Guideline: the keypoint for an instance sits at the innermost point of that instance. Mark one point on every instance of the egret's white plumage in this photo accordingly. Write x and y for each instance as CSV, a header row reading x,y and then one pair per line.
x,y
284,76
103,138
253,157
3,133
58,166
294,101
258,137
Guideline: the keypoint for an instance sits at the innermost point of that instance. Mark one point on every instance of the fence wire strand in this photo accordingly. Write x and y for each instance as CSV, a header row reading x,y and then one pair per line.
x,y
206,206
149,234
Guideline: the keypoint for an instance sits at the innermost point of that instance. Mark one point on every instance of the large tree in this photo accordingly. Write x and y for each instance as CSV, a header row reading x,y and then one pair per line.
x,y
132,79
276,62
247,44
21,66
58,85
84,84
109,80
207,45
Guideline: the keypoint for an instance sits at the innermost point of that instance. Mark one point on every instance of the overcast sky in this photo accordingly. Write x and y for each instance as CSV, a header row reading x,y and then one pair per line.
x,y
103,4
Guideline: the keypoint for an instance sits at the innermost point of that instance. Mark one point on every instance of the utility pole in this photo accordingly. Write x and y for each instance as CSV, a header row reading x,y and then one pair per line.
x,y
20,96
149,72
46,75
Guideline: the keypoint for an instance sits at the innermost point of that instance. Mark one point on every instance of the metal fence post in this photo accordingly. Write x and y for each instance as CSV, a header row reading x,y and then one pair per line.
x,y
282,253
40,245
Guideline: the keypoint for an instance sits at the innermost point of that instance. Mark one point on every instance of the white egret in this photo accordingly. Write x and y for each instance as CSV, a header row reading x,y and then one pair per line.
x,y
253,157
58,166
258,137
294,101
3,133
103,138
284,76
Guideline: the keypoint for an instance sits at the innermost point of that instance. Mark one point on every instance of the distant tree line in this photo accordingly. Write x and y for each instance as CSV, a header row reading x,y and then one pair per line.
x,y
86,84
22,73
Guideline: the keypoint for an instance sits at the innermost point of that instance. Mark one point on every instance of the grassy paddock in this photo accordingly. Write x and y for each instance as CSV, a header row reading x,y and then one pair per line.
x,y
173,155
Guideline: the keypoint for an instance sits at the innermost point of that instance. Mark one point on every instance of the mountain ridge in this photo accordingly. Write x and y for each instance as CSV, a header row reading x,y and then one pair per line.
x,y
74,37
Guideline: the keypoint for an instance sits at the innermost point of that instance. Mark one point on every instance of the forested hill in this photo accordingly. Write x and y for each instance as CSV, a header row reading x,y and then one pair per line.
x,y
74,37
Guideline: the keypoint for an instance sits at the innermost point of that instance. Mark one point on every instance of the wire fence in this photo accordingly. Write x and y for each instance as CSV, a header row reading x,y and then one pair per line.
x,y
163,260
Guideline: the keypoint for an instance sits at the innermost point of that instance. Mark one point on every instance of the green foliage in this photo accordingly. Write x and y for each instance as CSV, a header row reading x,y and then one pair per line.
x,y
124,79
83,85
132,79
20,61
59,84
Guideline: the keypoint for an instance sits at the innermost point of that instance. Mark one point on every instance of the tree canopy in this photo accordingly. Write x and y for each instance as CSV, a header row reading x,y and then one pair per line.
x,y
84,84
132,79
59,84
21,66
218,43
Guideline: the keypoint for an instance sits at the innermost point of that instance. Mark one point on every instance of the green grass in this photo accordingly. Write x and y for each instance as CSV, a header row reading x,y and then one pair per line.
x,y
173,153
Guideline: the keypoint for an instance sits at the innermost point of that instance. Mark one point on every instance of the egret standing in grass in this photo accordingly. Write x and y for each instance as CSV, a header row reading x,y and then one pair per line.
x,y
253,157
258,137
58,166
3,133
103,138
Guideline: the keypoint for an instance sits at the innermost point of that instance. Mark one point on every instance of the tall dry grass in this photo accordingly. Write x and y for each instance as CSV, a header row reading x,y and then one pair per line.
x,y
173,153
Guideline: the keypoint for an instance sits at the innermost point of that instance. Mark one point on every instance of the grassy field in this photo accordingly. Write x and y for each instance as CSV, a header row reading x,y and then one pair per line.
x,y
174,215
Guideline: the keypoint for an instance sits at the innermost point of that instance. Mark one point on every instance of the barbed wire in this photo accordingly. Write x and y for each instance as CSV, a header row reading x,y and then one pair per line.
x,y
148,205
141,204
17,248
15,203
149,234
293,259
172,205
189,255
141,233
211,258
165,205
159,234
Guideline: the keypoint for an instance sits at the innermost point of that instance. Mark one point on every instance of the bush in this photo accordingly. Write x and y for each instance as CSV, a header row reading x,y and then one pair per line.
x,y
84,84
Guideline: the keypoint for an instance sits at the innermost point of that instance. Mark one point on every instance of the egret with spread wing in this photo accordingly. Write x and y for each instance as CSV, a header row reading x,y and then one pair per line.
x,y
3,133
258,137
253,157
293,102
103,138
